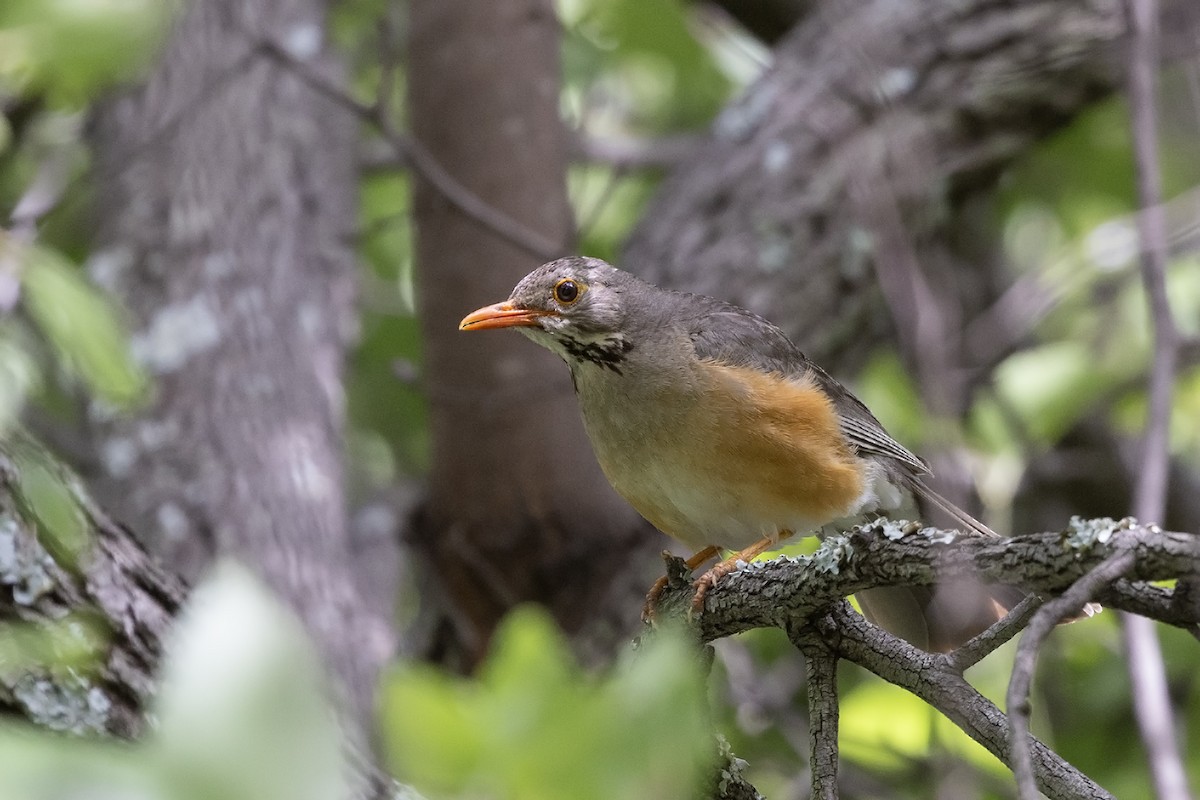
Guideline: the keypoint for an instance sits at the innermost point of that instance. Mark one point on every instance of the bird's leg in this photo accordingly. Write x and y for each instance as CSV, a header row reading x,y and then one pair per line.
x,y
719,570
655,593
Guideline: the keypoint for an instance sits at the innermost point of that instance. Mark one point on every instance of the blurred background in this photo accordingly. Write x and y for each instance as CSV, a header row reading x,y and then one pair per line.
x,y
235,242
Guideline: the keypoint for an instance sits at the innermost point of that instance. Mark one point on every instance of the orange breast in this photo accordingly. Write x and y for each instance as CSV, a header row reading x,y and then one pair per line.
x,y
751,455
780,442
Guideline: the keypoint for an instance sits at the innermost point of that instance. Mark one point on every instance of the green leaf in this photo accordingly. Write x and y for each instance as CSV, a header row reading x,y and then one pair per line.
x,y
44,492
71,48
84,328
242,711
19,376
644,53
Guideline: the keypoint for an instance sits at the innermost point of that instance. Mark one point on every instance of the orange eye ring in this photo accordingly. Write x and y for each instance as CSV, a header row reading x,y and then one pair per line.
x,y
568,291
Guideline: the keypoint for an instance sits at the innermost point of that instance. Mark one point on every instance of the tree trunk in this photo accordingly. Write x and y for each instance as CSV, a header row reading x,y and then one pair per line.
x,y
229,196
518,509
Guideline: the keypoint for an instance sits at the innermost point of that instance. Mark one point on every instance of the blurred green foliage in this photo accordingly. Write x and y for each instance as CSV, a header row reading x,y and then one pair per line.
x,y
55,57
640,61
242,714
70,49
1067,218
533,725
19,374
43,491
85,330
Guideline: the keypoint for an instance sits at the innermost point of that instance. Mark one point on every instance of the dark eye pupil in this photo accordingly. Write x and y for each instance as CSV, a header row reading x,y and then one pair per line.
x,y
566,292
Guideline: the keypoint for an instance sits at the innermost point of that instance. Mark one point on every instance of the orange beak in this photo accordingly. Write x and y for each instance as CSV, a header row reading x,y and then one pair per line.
x,y
501,315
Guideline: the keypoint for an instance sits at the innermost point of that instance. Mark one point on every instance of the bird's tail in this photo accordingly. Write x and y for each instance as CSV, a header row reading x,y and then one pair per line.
x,y
957,514
1003,597
944,616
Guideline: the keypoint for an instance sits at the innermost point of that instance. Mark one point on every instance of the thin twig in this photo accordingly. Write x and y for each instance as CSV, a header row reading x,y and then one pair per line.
x,y
1150,495
982,645
920,317
1152,705
422,161
927,677
656,154
662,153
1043,622
388,63
821,665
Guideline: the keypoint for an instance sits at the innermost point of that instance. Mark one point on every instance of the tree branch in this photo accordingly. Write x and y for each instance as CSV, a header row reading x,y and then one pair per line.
x,y
821,663
928,677
1042,624
408,150
983,645
787,591
761,215
1147,673
795,594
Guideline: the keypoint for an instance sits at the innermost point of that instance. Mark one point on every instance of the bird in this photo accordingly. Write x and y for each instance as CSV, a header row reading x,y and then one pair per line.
x,y
719,431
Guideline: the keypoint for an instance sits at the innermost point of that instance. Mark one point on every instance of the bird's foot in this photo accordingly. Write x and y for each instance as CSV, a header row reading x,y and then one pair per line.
x,y
708,580
677,577
735,562
652,598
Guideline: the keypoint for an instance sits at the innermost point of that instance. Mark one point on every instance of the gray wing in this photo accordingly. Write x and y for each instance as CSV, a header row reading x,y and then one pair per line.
x,y
731,335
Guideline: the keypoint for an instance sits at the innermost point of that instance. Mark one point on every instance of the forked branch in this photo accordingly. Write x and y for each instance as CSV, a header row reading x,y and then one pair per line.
x,y
1101,560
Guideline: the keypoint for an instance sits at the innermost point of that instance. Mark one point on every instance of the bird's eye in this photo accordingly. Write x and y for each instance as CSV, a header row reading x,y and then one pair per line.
x,y
567,291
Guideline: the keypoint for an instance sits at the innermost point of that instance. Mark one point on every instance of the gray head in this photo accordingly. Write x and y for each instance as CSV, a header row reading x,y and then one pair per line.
x,y
578,307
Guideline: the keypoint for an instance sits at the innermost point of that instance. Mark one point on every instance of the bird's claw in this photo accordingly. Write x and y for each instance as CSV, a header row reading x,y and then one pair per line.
x,y
650,609
706,582
703,584
678,577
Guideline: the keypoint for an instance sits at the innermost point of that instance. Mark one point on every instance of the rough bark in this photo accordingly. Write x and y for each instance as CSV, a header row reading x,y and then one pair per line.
x,y
516,500
229,199
821,664
114,584
780,592
919,105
